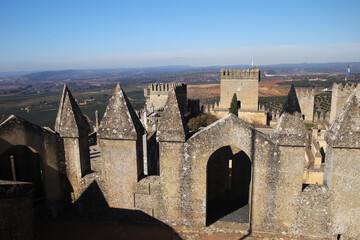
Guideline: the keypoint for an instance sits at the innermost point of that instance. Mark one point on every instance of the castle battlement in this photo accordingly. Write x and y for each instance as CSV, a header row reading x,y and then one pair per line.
x,y
347,89
156,95
164,88
305,93
245,74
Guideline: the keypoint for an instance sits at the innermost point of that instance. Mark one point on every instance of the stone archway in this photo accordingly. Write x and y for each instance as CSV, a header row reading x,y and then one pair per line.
x,y
228,186
22,163
36,142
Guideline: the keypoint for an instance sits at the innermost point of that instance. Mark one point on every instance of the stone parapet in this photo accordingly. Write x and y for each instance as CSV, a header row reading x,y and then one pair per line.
x,y
245,74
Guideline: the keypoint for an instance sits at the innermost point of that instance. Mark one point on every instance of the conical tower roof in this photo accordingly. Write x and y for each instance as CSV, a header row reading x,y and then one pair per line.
x,y
290,129
291,104
172,126
70,122
345,130
120,120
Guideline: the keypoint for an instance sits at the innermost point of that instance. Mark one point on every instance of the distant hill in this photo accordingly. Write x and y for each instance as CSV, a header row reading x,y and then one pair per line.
x,y
163,73
310,68
54,75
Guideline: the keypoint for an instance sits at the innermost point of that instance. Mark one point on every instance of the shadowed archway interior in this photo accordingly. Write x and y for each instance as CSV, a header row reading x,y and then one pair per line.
x,y
228,180
20,163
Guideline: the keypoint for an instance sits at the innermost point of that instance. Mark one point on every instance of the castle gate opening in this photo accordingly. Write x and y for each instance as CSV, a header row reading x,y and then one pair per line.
x,y
228,185
21,163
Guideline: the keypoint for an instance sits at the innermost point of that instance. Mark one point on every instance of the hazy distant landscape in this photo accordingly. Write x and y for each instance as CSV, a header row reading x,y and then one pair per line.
x,y
35,96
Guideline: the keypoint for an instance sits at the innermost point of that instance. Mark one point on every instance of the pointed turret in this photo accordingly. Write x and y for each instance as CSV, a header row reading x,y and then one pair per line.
x,y
172,126
74,129
290,128
70,122
291,104
122,152
120,120
345,130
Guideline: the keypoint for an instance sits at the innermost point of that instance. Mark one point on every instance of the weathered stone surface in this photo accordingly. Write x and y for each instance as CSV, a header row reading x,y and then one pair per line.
x,y
228,131
345,130
314,216
119,172
120,120
72,125
290,128
342,178
70,122
172,126
16,210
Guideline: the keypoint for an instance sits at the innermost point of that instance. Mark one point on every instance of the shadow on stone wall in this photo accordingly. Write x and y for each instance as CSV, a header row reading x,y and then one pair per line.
x,y
91,218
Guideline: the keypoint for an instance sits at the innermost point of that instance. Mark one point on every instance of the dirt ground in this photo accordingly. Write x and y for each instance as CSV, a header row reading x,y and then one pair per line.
x,y
271,88
203,91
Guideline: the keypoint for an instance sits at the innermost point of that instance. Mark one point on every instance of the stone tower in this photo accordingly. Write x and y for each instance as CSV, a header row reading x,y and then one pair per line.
x,y
242,82
171,135
291,137
306,100
73,127
120,139
156,95
338,98
342,169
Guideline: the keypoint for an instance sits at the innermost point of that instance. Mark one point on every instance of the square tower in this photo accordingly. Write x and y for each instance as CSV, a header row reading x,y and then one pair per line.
x,y
243,82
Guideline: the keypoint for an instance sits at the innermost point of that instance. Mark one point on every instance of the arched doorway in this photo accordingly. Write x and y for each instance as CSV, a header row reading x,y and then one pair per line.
x,y
21,163
228,184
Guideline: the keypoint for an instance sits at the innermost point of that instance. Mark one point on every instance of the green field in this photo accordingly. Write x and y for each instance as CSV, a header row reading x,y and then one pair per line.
x,y
43,107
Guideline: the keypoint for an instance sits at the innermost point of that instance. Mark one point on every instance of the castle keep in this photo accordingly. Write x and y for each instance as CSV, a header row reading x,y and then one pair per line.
x,y
244,83
227,175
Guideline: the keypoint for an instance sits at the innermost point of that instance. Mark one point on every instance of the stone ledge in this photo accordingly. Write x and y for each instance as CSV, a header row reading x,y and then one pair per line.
x,y
13,189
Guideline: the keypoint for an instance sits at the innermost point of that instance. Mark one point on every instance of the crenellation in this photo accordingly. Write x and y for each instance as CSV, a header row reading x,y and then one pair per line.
x,y
246,74
156,95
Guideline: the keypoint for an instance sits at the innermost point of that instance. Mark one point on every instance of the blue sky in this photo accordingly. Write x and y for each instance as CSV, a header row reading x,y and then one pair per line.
x,y
48,34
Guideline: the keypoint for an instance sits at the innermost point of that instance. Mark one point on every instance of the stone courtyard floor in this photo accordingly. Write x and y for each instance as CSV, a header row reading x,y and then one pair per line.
x,y
76,228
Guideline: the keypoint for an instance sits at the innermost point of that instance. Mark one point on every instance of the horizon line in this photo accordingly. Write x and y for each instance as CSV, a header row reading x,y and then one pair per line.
x,y
169,66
